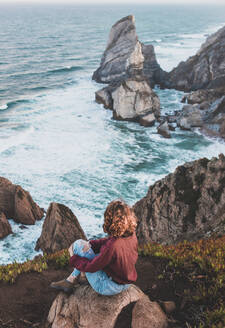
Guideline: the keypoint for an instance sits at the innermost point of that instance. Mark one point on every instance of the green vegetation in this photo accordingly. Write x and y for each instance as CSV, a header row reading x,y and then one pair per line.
x,y
201,267
196,269
9,272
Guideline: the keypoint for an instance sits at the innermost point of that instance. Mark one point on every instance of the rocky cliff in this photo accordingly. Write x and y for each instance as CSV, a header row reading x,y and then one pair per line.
x,y
206,69
186,205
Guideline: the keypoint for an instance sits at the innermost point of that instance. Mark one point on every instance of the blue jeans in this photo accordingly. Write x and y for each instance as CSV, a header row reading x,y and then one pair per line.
x,y
99,280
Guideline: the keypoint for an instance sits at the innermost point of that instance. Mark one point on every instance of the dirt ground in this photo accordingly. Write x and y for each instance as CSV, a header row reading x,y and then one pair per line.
x,y
26,303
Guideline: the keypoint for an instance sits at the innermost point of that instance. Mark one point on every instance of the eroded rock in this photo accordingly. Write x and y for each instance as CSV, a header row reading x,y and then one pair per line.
x,y
188,204
17,204
190,116
148,120
123,55
148,314
60,229
164,130
85,308
134,98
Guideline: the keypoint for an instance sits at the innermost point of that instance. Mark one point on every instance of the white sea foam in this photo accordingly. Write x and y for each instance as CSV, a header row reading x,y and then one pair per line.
x,y
15,139
4,107
20,245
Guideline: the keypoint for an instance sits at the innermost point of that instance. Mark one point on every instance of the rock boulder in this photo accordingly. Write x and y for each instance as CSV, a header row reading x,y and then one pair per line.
x,y
148,120
5,227
85,308
164,130
134,98
185,205
60,229
190,116
17,204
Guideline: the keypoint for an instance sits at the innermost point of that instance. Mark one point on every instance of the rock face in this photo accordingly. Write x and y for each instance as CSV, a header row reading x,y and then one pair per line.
x,y
151,68
131,99
190,116
204,70
85,308
185,205
204,96
17,204
134,98
60,229
5,227
123,55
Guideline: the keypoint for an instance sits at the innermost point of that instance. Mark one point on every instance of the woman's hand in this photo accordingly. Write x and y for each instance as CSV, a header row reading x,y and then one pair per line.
x,y
71,250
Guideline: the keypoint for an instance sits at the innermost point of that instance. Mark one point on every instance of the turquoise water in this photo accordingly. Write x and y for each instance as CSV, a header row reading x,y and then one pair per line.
x,y
55,141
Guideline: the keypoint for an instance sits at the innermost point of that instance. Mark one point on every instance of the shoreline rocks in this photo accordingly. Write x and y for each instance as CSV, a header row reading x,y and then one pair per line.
x,y
131,99
131,69
17,204
185,205
126,58
205,70
60,229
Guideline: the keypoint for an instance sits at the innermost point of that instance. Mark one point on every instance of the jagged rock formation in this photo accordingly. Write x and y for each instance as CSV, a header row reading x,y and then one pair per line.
x,y
60,229
151,68
125,56
206,69
17,204
5,227
210,115
131,69
185,205
85,308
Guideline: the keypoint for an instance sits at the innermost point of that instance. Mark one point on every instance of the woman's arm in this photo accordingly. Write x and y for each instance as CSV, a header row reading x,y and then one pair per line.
x,y
97,263
96,244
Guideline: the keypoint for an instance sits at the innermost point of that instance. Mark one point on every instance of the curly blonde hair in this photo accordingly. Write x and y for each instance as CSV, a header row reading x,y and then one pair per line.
x,y
119,219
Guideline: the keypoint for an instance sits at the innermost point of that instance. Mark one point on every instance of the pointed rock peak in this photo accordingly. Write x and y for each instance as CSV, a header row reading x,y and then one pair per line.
x,y
122,29
124,19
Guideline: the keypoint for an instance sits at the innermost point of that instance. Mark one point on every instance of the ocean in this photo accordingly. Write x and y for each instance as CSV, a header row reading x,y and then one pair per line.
x,y
60,145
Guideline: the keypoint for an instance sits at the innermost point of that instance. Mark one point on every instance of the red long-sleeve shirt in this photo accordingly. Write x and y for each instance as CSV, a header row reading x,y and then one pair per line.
x,y
117,257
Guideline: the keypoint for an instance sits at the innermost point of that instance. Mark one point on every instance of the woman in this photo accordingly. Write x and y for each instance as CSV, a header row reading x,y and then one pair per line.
x,y
108,263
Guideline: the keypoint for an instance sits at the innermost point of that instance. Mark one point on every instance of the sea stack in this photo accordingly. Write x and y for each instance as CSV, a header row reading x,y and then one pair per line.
x,y
123,56
131,70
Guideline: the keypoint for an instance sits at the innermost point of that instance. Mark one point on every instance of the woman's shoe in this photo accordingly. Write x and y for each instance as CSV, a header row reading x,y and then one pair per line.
x,y
64,285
